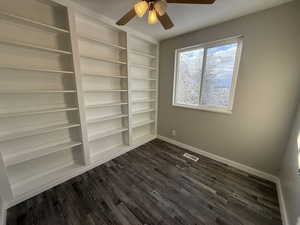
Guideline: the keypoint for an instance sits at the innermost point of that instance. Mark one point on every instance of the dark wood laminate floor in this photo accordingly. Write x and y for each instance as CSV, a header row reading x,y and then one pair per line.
x,y
154,185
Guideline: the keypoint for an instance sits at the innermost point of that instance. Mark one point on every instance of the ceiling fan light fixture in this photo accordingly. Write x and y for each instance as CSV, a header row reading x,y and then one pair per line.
x,y
161,7
152,18
141,8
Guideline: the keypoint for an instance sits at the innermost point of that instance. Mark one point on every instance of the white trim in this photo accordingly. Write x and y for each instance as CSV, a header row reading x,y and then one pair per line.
x,y
205,46
282,205
239,166
79,85
214,43
205,108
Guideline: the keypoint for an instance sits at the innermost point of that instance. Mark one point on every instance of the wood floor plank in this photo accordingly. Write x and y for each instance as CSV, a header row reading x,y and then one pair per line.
x,y
155,185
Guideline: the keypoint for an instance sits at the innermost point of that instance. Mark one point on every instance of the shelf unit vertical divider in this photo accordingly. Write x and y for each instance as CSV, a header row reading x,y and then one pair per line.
x,y
130,117
5,187
156,87
78,79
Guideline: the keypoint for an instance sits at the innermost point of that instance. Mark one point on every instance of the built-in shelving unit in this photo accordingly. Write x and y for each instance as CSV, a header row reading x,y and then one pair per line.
x,y
40,128
103,67
143,67
74,91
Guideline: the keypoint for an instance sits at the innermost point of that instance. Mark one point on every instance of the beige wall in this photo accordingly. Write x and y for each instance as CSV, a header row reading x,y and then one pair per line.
x,y
290,179
266,95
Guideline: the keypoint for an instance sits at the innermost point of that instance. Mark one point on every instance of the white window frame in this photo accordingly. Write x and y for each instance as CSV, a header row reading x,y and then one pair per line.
x,y
227,110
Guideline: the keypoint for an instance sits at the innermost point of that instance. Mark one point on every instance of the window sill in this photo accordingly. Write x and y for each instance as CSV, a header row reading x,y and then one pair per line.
x,y
204,108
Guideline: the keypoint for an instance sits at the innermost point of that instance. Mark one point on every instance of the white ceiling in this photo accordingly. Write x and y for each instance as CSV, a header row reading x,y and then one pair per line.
x,y
185,17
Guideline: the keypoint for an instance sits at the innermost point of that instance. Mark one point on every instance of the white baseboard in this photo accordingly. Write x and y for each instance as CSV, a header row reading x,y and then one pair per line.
x,y
282,205
234,164
239,166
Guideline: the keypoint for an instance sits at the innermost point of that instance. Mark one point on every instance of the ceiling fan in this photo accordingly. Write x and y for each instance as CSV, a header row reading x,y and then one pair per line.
x,y
157,11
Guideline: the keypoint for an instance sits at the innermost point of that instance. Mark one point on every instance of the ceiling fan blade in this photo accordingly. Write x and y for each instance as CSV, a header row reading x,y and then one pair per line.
x,y
166,21
127,17
192,1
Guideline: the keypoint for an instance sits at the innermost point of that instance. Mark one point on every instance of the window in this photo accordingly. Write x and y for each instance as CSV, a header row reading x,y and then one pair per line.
x,y
206,75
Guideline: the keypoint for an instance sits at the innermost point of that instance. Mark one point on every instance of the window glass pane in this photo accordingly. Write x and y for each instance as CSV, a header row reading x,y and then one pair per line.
x,y
217,80
189,77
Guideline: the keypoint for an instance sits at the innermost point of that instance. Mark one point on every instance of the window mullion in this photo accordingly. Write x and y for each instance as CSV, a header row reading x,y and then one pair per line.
x,y
202,74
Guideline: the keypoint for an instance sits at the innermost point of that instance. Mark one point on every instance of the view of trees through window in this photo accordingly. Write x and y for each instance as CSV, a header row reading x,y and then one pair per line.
x,y
211,87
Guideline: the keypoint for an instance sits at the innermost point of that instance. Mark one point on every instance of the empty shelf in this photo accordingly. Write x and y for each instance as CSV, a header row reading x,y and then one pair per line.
x,y
104,59
92,106
101,154
107,90
143,139
143,100
106,118
34,68
106,75
13,159
143,66
35,91
141,78
142,90
31,22
100,135
29,113
137,52
33,46
37,131
57,175
102,42
143,111
143,123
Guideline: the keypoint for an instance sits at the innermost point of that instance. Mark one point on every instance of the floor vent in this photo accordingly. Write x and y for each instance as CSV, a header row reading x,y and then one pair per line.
x,y
192,157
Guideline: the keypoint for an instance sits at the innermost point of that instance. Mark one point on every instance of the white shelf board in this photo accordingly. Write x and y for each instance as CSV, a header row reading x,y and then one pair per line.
x,y
13,159
143,90
145,54
143,123
18,91
101,135
143,139
94,106
34,68
38,131
98,156
101,42
32,46
44,180
142,66
143,111
106,118
103,59
31,22
141,78
106,90
106,75
143,100
29,113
